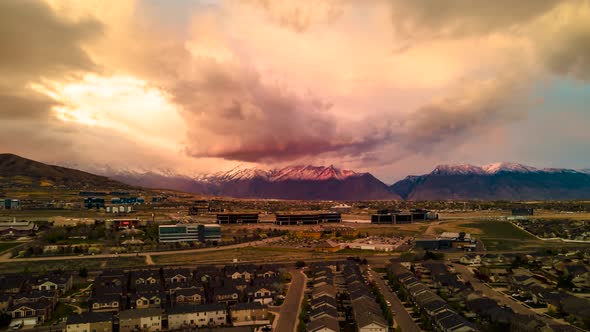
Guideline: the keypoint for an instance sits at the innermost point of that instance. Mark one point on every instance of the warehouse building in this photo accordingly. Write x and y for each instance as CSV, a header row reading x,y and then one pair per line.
x,y
395,217
237,218
307,218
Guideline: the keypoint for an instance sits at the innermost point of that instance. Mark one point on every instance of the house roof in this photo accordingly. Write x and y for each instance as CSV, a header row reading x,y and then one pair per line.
x,y
90,317
249,306
367,317
190,308
324,323
137,313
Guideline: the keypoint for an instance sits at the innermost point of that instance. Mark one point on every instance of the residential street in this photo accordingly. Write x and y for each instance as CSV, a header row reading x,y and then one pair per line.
x,y
516,306
401,316
289,314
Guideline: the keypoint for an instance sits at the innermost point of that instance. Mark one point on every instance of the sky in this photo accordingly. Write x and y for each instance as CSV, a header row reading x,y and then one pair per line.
x,y
391,87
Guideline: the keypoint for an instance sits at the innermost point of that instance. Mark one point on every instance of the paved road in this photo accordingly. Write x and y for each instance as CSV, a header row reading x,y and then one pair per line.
x,y
401,316
289,314
501,298
5,259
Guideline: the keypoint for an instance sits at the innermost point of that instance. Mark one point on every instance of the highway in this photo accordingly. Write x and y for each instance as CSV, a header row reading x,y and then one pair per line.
x,y
401,315
289,313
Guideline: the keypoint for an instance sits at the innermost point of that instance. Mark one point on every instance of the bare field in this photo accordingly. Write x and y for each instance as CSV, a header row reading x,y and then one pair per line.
x,y
72,264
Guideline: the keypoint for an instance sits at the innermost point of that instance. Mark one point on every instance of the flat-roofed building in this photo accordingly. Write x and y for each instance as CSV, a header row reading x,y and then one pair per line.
x,y
237,218
178,233
209,233
307,218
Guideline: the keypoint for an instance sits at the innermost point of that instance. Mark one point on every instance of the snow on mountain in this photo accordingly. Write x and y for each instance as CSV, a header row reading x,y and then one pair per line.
x,y
507,167
311,173
464,169
494,168
302,172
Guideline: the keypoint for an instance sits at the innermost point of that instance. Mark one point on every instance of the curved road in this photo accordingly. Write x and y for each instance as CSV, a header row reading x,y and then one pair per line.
x,y
5,259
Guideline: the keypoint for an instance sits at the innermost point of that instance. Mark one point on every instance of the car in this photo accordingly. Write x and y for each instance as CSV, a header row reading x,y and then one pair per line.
x,y
17,325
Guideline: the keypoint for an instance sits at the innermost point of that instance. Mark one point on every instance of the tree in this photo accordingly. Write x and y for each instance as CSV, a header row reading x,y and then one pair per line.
x,y
83,272
299,264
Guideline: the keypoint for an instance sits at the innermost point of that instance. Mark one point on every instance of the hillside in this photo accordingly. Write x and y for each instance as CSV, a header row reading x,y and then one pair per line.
x,y
19,172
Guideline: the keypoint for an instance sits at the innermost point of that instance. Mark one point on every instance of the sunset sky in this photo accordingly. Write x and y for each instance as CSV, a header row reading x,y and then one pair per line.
x,y
392,87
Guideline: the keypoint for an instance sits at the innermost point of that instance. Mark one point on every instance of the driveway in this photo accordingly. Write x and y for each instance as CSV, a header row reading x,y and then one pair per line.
x,y
401,316
289,313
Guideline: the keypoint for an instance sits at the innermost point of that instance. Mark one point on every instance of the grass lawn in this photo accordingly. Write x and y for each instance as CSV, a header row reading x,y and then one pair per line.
x,y
61,311
5,246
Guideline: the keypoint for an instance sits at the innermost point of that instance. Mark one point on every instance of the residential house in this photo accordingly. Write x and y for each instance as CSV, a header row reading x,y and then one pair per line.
x,y
61,282
227,295
145,277
32,312
177,276
189,295
326,324
251,313
196,315
148,320
105,303
90,322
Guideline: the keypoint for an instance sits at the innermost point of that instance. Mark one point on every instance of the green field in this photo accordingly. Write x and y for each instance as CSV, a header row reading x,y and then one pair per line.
x,y
500,230
5,246
503,235
72,264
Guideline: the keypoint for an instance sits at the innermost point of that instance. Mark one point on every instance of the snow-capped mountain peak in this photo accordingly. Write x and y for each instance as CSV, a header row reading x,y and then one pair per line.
x,y
495,168
300,172
311,173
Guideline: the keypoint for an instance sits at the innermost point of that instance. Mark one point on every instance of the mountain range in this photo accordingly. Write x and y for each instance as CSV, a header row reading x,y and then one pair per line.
x,y
498,181
293,182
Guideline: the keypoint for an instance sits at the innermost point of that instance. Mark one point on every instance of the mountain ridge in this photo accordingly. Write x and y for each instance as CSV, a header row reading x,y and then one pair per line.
x,y
497,181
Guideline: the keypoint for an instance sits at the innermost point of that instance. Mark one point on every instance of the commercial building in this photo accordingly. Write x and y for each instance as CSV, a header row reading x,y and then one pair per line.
x,y
119,209
178,233
209,233
307,218
189,233
127,200
237,218
122,223
448,240
523,212
10,204
93,203
402,217
199,207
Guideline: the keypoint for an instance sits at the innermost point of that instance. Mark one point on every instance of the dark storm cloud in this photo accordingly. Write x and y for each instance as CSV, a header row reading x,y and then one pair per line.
x,y
566,51
233,114
37,45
